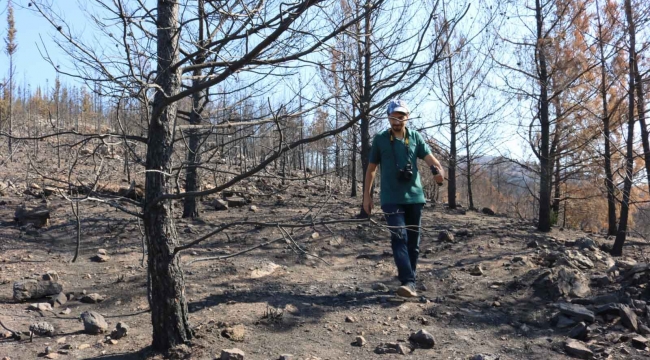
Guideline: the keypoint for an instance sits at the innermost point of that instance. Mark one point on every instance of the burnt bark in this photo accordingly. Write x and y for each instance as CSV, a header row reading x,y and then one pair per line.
x,y
166,285
192,179
544,151
609,177
617,249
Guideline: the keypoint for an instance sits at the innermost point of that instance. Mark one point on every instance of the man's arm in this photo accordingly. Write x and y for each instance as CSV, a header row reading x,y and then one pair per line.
x,y
432,161
370,178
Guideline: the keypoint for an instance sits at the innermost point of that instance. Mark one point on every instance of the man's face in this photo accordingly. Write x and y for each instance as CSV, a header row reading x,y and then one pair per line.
x,y
398,121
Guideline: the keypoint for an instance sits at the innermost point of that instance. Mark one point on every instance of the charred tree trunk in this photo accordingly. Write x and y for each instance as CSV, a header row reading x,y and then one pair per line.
x,y
640,109
557,182
166,285
544,151
609,177
617,249
365,100
192,179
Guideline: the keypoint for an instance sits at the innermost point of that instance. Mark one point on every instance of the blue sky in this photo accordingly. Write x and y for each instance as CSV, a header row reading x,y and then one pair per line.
x,y
32,31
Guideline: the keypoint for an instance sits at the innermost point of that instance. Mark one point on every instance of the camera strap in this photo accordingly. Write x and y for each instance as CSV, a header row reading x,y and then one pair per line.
x,y
406,146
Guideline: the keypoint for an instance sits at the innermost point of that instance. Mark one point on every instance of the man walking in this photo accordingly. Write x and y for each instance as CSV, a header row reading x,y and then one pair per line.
x,y
402,197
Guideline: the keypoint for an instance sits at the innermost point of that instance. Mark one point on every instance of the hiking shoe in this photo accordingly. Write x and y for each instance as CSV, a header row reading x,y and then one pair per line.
x,y
407,290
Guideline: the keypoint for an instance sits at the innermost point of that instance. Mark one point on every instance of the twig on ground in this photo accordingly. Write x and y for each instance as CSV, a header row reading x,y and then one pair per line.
x,y
222,257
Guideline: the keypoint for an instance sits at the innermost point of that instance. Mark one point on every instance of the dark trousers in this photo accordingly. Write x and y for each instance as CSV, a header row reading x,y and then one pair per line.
x,y
404,225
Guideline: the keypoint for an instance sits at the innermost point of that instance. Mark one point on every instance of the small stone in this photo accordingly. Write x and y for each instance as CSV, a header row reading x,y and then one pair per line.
x,y
49,349
100,258
579,332
42,329
102,252
232,354
65,312
445,236
380,287
578,349
533,244
61,340
92,298
350,319
51,275
476,270
94,322
628,318
577,312
40,307
360,341
58,300
235,333
83,346
639,342
253,208
51,355
315,235
423,338
496,304
112,341
121,330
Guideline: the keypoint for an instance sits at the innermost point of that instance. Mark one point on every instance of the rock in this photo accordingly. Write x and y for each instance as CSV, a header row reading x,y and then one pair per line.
x,y
639,342
600,280
253,208
51,275
476,270
643,329
586,243
102,252
49,350
611,309
235,333
579,260
83,346
533,244
40,307
564,322
232,354
52,355
236,201
92,298
94,323
35,289
315,235
58,300
360,341
579,332
628,318
625,264
268,269
39,216
445,236
423,339
391,348
100,258
121,330
577,312
562,282
380,287
42,328
350,319
219,205
487,211
578,349
65,312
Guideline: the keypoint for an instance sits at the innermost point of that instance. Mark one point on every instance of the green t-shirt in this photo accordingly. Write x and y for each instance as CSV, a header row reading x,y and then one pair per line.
x,y
393,190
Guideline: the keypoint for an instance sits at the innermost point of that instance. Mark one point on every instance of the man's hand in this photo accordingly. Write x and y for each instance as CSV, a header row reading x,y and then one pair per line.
x,y
438,175
367,204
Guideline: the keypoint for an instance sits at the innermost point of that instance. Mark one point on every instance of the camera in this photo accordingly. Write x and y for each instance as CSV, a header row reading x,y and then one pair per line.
x,y
405,174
